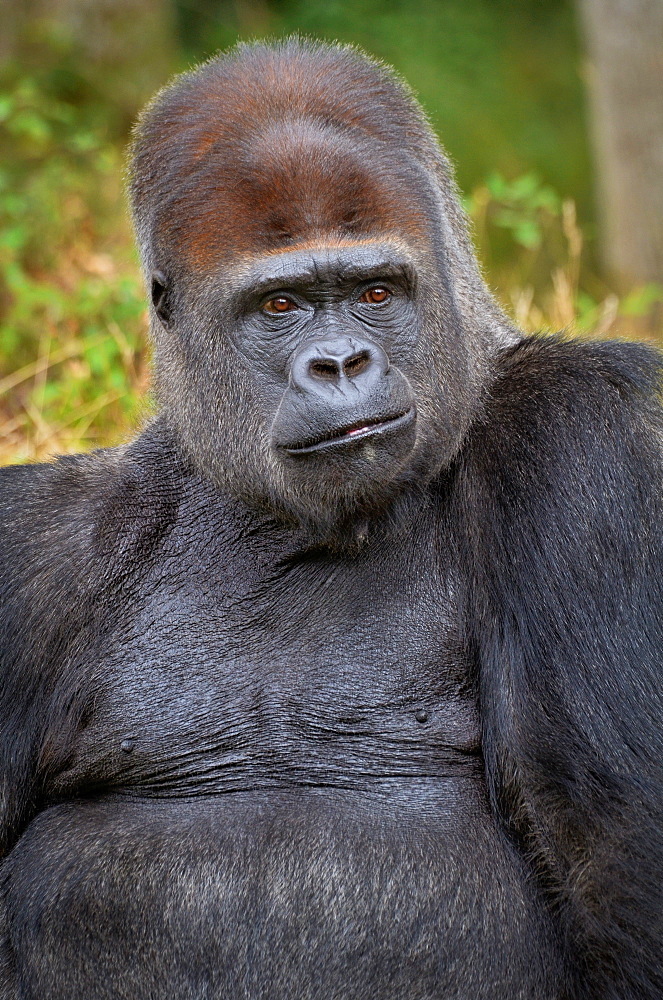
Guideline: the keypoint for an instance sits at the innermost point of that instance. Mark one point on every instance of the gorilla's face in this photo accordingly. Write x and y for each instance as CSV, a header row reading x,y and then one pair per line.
x,y
322,325
328,335
309,381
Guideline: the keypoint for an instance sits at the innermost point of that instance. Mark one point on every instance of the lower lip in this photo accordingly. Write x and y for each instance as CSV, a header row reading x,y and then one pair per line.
x,y
357,434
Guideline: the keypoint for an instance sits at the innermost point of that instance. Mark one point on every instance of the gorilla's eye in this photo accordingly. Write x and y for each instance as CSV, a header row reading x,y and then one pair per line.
x,y
376,296
280,304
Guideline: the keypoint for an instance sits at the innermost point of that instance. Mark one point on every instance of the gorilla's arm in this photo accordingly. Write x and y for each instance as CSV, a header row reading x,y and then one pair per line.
x,y
563,484
46,548
70,533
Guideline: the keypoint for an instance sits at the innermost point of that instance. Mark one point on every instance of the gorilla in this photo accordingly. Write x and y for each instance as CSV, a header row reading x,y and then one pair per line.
x,y
343,679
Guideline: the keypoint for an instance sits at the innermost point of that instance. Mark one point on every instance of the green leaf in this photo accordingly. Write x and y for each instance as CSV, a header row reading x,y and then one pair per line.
x,y
528,234
640,301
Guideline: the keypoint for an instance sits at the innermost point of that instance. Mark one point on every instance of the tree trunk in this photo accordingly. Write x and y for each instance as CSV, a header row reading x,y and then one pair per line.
x,y
625,47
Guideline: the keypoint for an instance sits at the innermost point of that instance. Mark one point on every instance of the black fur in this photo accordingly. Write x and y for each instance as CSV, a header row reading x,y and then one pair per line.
x,y
418,756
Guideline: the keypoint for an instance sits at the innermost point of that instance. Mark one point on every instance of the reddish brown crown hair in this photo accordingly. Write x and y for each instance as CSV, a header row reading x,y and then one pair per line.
x,y
274,145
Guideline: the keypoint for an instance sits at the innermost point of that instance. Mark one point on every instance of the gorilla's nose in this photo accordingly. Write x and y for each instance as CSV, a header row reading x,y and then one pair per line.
x,y
328,363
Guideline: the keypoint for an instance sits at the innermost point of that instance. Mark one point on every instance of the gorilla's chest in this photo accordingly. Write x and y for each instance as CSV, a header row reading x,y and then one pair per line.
x,y
231,672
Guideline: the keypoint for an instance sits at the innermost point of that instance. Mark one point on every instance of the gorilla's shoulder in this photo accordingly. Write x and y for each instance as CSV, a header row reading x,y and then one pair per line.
x,y
573,378
553,367
42,496
74,524
589,403
571,433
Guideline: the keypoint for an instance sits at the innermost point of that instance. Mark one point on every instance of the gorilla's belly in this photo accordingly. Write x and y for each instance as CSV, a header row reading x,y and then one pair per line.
x,y
405,892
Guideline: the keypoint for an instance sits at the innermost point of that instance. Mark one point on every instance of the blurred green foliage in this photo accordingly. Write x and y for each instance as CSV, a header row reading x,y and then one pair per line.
x,y
72,316
501,84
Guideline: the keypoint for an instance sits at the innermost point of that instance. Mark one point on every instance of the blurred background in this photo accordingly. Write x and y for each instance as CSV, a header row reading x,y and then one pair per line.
x,y
551,110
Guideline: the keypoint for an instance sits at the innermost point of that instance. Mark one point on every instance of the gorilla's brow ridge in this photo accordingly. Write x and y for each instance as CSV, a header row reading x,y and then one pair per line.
x,y
311,267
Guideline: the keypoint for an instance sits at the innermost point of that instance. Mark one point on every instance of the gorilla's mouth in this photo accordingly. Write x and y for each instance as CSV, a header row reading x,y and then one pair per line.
x,y
357,431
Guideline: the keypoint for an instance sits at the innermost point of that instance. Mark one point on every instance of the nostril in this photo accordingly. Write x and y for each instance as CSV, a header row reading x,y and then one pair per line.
x,y
326,370
356,364
330,370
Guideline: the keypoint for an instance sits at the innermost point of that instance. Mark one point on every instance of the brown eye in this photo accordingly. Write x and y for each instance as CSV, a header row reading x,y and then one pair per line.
x,y
281,304
375,296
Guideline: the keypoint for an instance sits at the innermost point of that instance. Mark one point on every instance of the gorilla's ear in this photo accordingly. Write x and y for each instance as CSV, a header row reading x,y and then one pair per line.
x,y
160,296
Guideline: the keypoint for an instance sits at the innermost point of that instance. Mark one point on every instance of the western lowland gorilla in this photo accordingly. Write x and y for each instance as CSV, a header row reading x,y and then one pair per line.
x,y
342,680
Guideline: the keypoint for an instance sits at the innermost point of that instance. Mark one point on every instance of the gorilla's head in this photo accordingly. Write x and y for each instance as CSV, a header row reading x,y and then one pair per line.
x,y
321,327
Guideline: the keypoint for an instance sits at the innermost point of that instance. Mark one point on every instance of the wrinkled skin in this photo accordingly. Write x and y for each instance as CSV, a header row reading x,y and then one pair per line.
x,y
342,679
